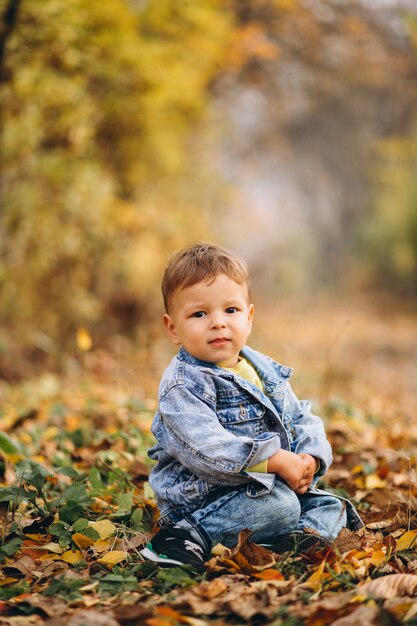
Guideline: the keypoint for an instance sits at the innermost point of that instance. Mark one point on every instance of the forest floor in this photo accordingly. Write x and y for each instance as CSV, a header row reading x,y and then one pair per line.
x,y
76,507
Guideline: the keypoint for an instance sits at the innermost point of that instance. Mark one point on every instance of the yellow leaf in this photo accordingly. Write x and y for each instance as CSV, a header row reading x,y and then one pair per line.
x,y
111,558
373,481
102,545
318,577
104,528
53,547
50,557
378,558
84,341
82,541
407,540
35,537
269,574
71,556
8,581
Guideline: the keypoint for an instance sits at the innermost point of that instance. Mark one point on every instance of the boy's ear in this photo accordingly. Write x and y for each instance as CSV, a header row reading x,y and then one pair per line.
x,y
171,330
250,316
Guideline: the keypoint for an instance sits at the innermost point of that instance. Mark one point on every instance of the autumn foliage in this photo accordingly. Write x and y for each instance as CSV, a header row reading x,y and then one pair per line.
x,y
76,507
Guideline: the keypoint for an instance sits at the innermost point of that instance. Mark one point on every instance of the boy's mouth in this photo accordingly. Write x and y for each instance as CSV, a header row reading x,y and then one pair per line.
x,y
220,341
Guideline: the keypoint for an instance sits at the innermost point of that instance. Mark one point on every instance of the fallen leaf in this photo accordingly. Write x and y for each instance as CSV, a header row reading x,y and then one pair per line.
x,y
211,589
364,615
113,557
104,528
71,556
318,577
53,547
391,586
373,481
378,558
407,540
347,540
269,574
82,541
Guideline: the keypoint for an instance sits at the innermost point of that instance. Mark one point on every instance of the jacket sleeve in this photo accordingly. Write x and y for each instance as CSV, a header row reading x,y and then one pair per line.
x,y
307,431
194,436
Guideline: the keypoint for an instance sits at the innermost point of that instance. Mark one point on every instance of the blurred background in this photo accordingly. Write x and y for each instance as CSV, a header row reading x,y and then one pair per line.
x,y
283,129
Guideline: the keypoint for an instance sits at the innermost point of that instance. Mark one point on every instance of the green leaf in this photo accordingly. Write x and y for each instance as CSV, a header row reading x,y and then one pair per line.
x,y
77,493
136,519
11,547
95,479
68,471
90,532
125,501
60,529
80,525
8,445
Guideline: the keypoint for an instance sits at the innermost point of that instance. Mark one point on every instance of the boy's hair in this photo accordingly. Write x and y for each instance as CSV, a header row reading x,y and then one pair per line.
x,y
198,263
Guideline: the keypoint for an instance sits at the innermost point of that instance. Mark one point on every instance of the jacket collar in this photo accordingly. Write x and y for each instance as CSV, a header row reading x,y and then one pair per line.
x,y
267,369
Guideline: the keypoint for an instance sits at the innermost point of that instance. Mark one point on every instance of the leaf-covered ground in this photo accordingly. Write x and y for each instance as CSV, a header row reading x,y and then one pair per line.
x,y
76,507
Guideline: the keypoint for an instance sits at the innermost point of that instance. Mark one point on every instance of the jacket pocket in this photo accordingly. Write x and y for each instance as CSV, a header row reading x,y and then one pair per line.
x,y
243,420
188,493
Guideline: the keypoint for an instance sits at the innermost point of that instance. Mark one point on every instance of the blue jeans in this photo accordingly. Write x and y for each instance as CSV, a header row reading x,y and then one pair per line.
x,y
267,516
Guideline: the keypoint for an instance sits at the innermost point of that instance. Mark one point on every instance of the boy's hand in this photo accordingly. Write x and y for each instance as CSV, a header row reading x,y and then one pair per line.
x,y
290,467
311,467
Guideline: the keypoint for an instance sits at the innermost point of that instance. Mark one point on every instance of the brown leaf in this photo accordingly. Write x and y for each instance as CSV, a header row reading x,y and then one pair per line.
x,y
212,589
347,540
366,615
391,586
131,614
245,557
250,557
23,568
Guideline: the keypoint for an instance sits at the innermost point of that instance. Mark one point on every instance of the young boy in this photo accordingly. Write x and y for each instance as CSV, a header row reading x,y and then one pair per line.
x,y
235,448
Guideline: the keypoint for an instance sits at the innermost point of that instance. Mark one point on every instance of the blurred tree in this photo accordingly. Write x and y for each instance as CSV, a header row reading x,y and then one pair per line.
x,y
313,84
97,101
388,238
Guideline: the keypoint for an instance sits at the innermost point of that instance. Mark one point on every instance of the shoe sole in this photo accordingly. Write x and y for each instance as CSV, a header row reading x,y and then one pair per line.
x,y
163,561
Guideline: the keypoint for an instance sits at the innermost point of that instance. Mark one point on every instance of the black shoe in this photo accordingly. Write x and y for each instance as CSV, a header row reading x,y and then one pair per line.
x,y
299,542
171,547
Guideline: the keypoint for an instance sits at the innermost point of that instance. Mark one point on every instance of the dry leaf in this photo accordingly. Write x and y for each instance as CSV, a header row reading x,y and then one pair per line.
x,y
113,557
71,556
407,540
104,528
391,586
211,589
363,616
82,541
269,574
318,577
373,481
378,558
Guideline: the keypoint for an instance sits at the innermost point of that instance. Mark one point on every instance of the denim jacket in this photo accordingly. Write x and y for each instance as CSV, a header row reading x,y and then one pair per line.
x,y
211,426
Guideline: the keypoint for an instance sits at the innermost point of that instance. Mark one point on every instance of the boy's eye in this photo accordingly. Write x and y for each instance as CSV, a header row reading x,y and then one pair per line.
x,y
231,309
198,314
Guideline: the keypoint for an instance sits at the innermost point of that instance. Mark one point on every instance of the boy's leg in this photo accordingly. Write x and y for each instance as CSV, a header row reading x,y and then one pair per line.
x,y
267,516
324,513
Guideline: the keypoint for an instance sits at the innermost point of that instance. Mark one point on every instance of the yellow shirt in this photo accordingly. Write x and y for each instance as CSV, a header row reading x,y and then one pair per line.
x,y
246,371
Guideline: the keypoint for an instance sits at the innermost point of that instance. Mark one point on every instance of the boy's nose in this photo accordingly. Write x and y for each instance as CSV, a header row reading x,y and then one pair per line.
x,y
218,322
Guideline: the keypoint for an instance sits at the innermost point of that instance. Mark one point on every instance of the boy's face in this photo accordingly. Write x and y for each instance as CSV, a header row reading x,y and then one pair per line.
x,y
211,320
